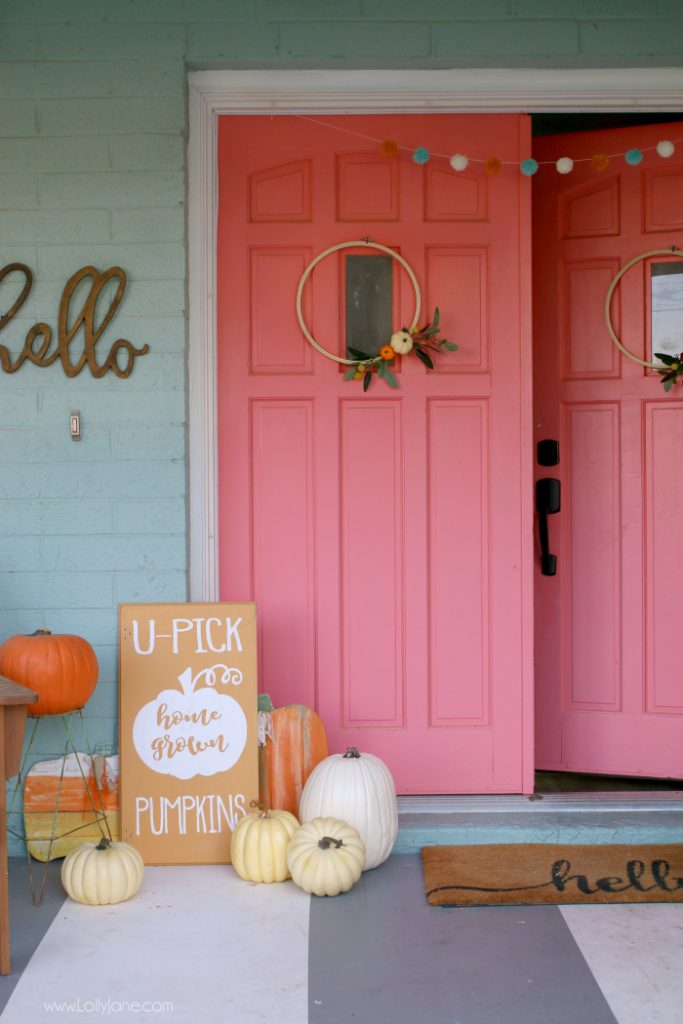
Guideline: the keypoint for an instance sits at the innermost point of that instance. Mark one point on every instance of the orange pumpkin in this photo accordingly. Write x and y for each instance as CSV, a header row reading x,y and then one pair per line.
x,y
292,741
61,667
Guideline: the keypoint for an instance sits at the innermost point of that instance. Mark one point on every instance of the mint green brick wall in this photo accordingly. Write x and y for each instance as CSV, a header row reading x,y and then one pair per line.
x,y
93,124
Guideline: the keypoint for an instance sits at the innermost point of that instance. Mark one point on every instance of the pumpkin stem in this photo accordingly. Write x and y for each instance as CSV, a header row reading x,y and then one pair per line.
x,y
327,841
103,844
264,812
352,752
43,631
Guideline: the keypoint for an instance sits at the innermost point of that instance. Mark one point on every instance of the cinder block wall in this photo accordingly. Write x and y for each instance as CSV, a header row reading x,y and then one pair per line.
x,y
93,126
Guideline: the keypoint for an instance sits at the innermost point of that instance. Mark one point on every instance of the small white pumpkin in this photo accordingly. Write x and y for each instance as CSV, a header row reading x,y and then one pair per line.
x,y
102,873
326,857
401,342
259,845
357,788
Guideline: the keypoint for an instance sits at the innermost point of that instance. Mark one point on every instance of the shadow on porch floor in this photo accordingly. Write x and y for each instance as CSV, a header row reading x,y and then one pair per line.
x,y
575,782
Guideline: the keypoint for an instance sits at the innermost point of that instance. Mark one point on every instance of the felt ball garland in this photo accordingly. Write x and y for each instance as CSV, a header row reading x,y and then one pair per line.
x,y
665,148
492,165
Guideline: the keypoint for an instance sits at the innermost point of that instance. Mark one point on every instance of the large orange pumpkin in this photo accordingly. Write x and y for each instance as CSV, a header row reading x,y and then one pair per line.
x,y
61,667
292,741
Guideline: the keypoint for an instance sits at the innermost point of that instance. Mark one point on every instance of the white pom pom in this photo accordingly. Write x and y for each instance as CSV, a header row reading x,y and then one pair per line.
x,y
564,165
459,162
665,148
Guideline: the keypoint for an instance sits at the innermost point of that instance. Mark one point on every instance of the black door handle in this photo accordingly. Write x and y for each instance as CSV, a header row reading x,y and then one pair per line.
x,y
547,504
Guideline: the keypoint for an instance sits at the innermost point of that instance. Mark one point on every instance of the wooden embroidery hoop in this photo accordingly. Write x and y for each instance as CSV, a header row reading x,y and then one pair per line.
x,y
336,248
673,251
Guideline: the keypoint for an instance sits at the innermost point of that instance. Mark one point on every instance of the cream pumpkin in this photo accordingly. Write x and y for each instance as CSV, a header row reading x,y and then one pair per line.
x,y
357,788
102,873
401,342
326,857
259,846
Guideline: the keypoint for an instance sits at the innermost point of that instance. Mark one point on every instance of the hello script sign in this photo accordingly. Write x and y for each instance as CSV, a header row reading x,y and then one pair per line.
x,y
92,319
189,754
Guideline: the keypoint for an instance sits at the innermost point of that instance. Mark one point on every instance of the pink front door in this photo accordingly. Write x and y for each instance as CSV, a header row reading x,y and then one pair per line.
x,y
609,690
385,537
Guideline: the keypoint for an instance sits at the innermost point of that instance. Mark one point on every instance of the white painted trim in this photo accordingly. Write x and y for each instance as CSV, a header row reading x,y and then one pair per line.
x,y
212,93
475,89
202,472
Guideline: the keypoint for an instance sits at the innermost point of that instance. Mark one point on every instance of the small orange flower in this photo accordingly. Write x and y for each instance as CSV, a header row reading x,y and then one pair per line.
x,y
599,162
387,353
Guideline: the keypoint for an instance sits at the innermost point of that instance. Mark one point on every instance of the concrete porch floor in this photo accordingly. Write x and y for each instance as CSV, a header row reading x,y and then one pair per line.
x,y
199,945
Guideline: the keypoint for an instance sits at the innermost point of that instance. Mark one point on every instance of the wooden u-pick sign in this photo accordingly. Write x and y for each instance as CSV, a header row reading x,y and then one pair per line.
x,y
38,347
188,728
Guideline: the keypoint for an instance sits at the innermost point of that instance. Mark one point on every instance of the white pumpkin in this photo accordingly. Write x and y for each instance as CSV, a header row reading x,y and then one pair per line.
x,y
401,342
258,849
326,857
102,873
357,788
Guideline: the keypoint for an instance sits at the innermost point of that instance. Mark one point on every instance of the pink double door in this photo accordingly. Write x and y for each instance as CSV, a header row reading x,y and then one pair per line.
x,y
609,682
386,537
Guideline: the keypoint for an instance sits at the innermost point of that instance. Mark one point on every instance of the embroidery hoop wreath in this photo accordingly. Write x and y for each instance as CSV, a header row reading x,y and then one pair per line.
x,y
673,366
328,252
364,366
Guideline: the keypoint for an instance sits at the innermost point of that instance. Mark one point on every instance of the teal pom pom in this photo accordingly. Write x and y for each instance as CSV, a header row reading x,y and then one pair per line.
x,y
421,155
633,157
528,167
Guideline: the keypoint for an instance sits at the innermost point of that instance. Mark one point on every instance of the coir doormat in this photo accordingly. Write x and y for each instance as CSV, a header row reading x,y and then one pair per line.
x,y
536,873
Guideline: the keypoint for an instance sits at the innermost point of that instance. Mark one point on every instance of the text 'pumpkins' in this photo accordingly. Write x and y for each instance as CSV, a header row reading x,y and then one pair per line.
x,y
359,789
60,667
292,741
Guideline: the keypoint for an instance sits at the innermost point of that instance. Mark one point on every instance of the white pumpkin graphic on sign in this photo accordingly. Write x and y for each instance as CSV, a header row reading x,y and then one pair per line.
x,y
192,731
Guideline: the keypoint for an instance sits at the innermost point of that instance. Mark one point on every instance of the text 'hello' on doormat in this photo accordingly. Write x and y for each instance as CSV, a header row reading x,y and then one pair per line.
x,y
538,873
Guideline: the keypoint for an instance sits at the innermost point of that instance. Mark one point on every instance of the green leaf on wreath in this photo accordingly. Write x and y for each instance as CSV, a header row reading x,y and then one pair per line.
x,y
668,384
450,346
424,358
366,380
350,374
435,321
667,359
390,379
357,354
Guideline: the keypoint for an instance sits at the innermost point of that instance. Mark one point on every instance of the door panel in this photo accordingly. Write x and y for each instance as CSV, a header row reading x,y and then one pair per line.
x,y
384,536
609,696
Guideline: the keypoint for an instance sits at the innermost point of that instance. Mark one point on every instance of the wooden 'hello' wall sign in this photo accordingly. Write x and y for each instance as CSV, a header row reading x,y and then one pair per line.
x,y
38,344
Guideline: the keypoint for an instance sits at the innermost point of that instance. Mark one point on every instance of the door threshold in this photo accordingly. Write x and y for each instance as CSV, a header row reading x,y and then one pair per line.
x,y
559,818
598,802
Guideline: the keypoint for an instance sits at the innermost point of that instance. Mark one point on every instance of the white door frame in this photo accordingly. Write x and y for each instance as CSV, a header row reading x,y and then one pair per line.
x,y
212,93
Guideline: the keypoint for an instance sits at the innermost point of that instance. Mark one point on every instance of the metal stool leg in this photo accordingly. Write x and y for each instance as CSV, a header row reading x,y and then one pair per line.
x,y
99,812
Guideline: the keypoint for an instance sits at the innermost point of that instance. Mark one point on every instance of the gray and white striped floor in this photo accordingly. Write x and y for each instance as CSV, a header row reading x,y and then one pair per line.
x,y
199,945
